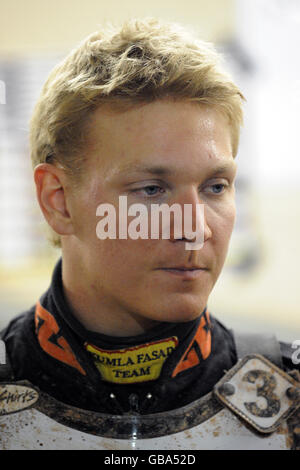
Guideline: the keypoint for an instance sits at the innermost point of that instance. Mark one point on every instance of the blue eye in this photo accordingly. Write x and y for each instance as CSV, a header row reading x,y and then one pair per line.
x,y
219,188
152,190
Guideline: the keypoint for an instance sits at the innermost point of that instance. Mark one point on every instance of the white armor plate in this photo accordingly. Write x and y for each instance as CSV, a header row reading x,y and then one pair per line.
x,y
31,429
248,410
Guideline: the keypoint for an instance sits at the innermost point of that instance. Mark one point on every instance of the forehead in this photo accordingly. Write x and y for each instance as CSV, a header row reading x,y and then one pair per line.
x,y
164,135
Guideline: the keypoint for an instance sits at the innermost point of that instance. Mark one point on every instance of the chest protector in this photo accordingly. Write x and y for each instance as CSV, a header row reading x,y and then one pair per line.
x,y
255,406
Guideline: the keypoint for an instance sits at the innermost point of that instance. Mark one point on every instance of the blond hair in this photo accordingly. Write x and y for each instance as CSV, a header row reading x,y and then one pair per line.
x,y
142,61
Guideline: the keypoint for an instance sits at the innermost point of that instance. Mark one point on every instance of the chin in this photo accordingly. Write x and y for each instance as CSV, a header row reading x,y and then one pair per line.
x,y
184,312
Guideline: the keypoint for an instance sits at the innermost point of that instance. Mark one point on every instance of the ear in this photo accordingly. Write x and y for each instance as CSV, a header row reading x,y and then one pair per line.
x,y
50,189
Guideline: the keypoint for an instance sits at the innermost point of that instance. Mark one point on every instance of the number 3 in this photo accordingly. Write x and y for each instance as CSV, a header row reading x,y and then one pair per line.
x,y
266,391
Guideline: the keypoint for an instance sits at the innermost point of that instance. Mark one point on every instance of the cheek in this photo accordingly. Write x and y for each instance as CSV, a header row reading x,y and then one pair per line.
x,y
84,219
123,258
231,217
222,224
84,203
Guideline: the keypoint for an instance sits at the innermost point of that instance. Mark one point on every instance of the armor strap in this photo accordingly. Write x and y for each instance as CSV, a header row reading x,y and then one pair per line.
x,y
250,343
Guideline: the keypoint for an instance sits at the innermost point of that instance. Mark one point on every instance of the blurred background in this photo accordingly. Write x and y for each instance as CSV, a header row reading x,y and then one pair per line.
x,y
259,288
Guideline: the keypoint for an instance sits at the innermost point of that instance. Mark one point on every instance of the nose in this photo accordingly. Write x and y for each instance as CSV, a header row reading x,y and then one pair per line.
x,y
193,225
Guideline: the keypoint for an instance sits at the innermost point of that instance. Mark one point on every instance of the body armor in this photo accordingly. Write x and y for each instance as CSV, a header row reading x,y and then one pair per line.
x,y
254,406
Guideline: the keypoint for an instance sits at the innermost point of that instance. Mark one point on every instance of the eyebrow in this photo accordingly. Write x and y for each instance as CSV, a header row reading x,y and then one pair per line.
x,y
166,171
138,168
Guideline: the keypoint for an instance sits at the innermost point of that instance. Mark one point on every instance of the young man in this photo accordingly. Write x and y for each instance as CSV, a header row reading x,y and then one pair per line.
x,y
147,113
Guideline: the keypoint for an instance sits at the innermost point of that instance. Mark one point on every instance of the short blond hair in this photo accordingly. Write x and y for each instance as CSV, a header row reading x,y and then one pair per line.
x,y
139,62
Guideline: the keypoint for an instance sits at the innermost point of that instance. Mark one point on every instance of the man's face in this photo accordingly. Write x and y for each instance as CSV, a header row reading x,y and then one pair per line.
x,y
164,152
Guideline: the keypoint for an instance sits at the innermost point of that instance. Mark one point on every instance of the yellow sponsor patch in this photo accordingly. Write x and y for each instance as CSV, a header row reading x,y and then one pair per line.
x,y
131,365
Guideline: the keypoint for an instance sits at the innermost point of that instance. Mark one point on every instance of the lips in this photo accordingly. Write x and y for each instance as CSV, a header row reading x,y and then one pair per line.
x,y
184,272
185,268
